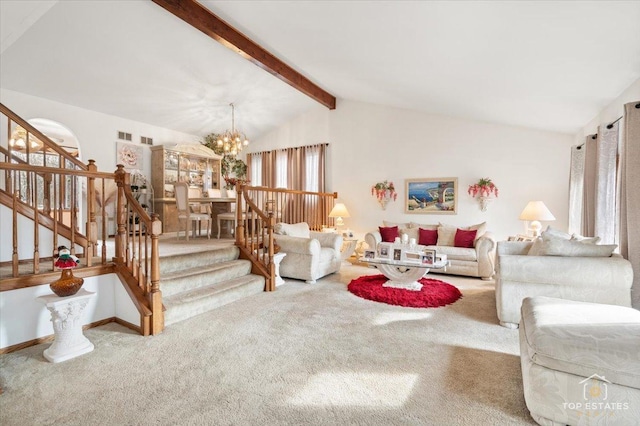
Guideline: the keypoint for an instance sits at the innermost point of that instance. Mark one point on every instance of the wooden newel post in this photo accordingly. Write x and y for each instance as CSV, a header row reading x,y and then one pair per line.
x,y
239,212
271,284
122,179
155,295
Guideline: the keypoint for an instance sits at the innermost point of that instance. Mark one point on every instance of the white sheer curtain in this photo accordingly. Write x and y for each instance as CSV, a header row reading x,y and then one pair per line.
x,y
312,169
576,189
256,169
605,191
282,169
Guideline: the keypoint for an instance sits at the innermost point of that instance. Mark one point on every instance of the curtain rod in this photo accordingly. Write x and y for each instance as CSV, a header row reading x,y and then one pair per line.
x,y
594,136
285,149
610,125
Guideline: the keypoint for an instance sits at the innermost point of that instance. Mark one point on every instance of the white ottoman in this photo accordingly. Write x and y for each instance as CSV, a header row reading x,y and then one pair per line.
x,y
580,362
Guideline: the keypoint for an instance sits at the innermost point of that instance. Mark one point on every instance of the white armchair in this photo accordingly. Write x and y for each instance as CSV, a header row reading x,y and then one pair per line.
x,y
310,255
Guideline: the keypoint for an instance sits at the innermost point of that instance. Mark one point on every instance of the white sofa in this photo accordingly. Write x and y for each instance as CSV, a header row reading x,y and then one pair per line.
x,y
580,362
519,275
473,262
310,255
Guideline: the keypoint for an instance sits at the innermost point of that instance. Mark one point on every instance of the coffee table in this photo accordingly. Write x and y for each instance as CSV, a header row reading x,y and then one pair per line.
x,y
403,274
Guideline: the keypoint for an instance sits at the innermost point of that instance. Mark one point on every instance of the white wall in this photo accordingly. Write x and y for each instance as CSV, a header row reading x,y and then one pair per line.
x,y
97,133
370,143
611,112
23,317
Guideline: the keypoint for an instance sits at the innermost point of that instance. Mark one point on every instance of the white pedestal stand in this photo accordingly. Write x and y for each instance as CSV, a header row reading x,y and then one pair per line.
x,y
277,258
66,316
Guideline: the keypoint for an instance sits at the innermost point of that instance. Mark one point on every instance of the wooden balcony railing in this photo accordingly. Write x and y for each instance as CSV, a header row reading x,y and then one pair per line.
x,y
258,209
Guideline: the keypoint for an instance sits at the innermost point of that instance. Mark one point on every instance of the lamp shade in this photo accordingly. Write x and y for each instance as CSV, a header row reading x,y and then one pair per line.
x,y
339,210
536,210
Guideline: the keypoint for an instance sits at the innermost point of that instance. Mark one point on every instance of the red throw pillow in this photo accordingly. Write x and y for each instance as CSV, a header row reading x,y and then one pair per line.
x,y
388,234
464,238
427,237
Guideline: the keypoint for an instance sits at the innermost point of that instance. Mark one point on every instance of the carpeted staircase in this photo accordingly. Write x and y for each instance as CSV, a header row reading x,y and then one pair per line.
x,y
199,282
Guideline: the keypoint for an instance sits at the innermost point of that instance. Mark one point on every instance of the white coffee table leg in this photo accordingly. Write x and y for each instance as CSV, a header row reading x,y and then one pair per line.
x,y
402,276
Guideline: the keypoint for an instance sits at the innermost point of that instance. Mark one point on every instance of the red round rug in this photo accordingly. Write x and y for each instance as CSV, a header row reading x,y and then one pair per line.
x,y
434,293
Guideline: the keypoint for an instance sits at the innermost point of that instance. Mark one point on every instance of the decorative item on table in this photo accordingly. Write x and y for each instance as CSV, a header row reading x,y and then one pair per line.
x,y
485,190
347,233
441,258
339,211
67,284
384,250
384,191
428,257
369,254
536,211
431,196
412,256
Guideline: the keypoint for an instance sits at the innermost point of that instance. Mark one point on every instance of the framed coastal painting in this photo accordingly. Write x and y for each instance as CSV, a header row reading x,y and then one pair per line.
x,y
431,196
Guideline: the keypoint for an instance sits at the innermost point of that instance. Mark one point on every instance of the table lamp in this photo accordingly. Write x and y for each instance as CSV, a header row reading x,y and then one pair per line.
x,y
339,211
536,211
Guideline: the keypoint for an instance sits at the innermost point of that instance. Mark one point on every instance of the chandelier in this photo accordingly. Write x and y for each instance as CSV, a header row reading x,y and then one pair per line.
x,y
19,138
232,141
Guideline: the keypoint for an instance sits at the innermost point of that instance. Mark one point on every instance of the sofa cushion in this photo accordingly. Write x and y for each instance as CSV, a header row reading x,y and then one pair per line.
x,y
388,233
551,233
409,232
481,228
446,235
536,247
585,240
456,253
425,226
427,237
398,224
294,230
569,248
583,338
465,238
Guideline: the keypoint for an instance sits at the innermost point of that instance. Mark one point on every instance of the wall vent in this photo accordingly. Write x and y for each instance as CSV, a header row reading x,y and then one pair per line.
x,y
124,136
145,140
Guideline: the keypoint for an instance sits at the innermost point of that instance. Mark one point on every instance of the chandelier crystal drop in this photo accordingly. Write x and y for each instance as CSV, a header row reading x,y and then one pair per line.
x,y
232,141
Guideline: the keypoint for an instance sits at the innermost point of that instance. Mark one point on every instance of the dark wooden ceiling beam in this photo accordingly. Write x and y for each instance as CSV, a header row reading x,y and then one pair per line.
x,y
204,20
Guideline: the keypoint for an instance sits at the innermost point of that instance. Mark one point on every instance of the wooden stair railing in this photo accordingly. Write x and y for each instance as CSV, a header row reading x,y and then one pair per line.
x,y
258,209
54,191
137,256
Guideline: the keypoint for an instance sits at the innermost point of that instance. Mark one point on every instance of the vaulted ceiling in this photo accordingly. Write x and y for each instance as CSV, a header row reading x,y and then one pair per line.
x,y
547,65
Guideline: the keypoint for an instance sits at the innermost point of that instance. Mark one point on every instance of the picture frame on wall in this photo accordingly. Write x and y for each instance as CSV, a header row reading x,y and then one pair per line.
x,y
131,156
431,196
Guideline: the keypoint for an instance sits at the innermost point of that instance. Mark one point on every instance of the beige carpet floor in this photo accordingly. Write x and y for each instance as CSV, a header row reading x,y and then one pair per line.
x,y
303,355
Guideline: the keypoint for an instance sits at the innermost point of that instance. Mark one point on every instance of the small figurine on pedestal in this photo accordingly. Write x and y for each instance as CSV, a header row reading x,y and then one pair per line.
x,y
67,285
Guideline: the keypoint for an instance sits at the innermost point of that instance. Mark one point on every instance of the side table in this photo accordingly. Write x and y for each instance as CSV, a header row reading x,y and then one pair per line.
x,y
348,248
277,258
66,316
